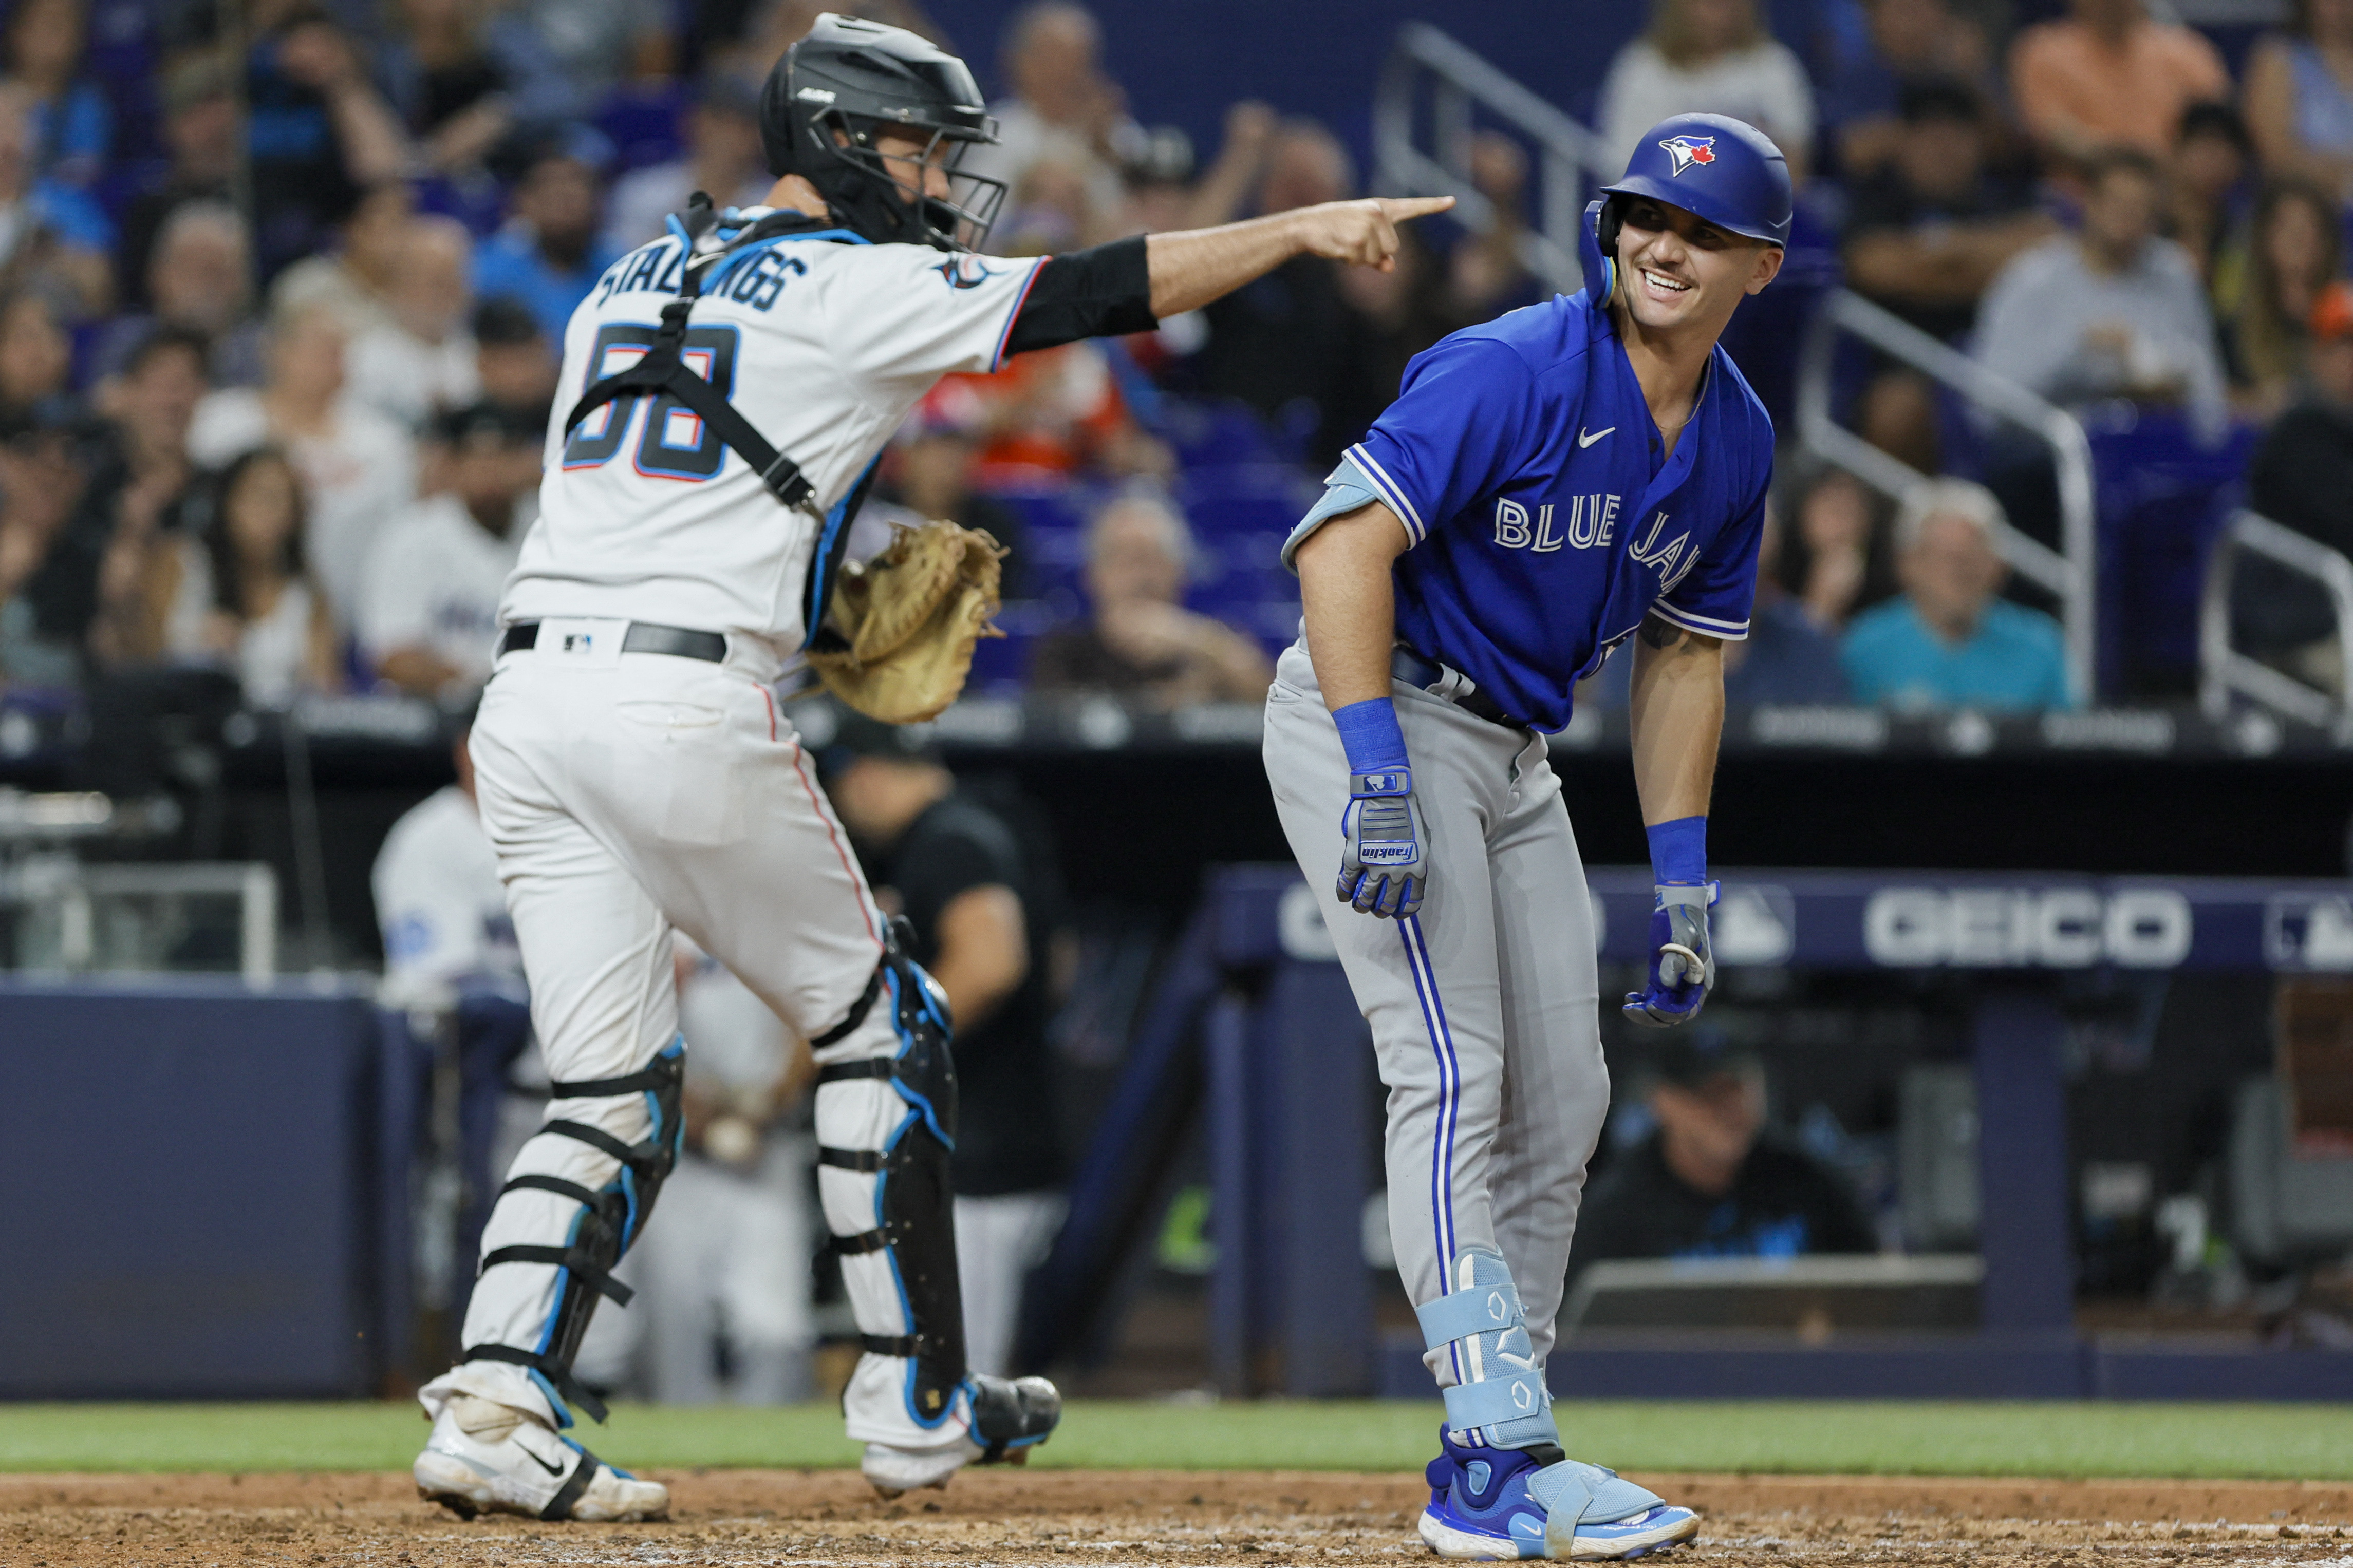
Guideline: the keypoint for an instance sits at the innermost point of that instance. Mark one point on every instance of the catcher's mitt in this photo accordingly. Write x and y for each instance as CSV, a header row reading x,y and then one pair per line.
x,y
898,638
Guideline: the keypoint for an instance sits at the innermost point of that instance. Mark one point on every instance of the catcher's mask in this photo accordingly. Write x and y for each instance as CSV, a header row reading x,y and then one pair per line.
x,y
849,79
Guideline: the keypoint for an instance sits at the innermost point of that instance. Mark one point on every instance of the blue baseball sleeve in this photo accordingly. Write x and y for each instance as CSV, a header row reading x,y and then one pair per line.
x,y
1459,428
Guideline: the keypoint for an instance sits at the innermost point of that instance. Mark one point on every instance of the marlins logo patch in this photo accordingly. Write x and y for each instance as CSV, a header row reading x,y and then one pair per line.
x,y
1689,150
964,271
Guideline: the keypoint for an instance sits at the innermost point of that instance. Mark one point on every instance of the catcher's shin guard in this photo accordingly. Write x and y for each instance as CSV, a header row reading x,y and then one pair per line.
x,y
616,1193
886,1108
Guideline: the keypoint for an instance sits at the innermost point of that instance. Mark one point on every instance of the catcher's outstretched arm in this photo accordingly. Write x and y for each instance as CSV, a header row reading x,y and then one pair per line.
x,y
1128,285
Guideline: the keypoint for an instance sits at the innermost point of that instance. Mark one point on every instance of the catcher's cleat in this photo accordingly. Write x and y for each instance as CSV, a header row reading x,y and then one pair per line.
x,y
486,1457
1009,1417
1490,1504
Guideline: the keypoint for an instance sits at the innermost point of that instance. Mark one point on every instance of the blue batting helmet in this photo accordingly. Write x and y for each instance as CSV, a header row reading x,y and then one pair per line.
x,y
1722,169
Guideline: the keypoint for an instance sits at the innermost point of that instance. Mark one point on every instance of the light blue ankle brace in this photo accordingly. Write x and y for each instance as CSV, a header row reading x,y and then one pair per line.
x,y
1500,1396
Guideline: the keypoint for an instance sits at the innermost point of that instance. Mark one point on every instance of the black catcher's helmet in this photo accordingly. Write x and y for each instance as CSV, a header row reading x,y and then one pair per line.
x,y
848,79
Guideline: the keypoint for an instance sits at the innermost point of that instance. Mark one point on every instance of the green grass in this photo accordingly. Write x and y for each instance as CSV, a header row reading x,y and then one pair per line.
x,y
2219,1441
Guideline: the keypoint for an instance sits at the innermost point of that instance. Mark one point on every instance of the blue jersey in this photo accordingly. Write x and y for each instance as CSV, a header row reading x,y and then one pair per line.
x,y
1545,515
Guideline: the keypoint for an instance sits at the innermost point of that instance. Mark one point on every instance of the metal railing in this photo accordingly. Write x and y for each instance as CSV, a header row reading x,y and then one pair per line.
x,y
69,894
2224,669
1426,63
2069,573
1459,83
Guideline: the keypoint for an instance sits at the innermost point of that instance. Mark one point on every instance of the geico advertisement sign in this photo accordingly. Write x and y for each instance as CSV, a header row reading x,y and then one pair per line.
x,y
2013,927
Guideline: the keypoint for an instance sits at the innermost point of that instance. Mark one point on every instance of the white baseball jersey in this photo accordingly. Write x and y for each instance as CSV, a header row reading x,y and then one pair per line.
x,y
433,582
823,341
437,899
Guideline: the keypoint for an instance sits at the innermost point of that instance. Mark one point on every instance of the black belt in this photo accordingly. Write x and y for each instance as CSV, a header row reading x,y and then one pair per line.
x,y
1427,673
642,637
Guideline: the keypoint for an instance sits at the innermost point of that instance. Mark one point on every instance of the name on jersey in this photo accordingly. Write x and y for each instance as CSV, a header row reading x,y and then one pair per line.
x,y
755,281
1592,524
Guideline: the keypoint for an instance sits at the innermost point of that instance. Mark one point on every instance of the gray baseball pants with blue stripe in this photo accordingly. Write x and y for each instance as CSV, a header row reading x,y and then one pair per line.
x,y
1484,1007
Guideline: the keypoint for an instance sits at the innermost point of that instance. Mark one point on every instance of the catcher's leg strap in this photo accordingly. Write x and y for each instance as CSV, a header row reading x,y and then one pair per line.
x,y
608,1223
901,1272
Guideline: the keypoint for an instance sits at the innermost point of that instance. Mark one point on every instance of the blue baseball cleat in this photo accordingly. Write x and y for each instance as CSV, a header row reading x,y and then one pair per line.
x,y
1487,1504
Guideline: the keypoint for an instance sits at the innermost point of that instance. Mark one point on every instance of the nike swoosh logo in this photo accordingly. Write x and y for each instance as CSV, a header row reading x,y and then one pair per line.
x,y
1585,440
542,1464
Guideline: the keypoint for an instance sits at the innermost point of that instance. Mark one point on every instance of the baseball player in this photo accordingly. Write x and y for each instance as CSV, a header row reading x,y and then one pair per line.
x,y
735,380
1545,486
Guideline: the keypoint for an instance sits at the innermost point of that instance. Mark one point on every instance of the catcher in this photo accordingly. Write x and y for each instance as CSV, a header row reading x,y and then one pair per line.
x,y
735,381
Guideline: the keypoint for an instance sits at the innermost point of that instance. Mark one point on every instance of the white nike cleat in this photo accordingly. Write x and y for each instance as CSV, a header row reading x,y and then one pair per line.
x,y
486,1458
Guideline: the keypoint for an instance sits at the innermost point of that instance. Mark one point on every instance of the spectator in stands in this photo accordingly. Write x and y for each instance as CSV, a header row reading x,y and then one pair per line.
x,y
1142,644
200,281
1712,55
1786,657
358,276
1951,639
2212,160
930,468
2111,312
50,232
1925,237
1835,564
422,362
2301,477
36,361
723,158
48,577
2108,75
1712,1180
1063,108
514,360
1927,234
1049,209
1288,344
464,77
599,44
1162,192
1485,274
73,128
549,254
236,594
202,132
2299,96
2294,252
429,617
317,133
358,469
984,920
1908,41
143,495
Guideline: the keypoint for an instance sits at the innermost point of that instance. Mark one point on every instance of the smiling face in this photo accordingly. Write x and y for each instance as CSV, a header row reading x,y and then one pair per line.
x,y
1677,272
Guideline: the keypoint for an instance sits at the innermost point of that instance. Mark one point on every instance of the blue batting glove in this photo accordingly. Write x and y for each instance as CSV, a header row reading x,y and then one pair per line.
x,y
1385,844
1683,967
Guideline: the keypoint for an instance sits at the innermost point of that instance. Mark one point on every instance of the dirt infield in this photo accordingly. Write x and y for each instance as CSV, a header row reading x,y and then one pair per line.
x,y
1162,1517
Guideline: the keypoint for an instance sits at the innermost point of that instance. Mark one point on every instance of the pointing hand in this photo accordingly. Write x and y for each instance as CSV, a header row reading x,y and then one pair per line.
x,y
1363,233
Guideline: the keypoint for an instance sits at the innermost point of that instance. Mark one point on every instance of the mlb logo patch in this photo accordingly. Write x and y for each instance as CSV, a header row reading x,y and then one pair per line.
x,y
1689,150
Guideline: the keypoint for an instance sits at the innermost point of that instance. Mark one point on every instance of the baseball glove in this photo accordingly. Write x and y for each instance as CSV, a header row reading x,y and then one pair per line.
x,y
898,638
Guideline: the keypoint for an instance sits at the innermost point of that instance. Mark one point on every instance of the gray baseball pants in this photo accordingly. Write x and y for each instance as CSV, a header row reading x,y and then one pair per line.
x,y
1484,1006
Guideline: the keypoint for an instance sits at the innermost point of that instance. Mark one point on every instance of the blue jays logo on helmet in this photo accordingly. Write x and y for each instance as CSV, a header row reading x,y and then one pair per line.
x,y
1688,150
1746,189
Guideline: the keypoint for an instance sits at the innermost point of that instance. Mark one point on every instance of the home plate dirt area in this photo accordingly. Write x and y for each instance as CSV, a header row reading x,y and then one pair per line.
x,y
1262,1519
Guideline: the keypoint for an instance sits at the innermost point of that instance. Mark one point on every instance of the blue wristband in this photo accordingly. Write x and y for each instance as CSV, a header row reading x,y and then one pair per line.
x,y
1369,731
1679,852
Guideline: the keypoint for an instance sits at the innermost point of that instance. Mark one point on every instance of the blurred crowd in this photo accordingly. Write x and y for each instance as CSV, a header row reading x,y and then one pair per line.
x,y
280,312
